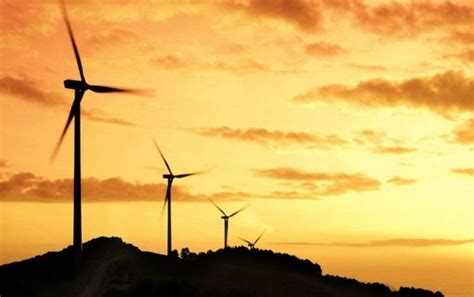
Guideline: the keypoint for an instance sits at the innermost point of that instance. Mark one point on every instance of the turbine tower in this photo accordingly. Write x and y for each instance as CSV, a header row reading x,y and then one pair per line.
x,y
170,177
226,218
79,87
251,245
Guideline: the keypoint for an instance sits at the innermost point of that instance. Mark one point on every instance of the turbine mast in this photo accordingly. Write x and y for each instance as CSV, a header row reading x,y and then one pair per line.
x,y
168,198
226,231
77,213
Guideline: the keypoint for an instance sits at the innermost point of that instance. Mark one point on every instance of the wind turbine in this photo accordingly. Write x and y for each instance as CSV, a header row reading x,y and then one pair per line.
x,y
251,245
170,177
79,87
226,218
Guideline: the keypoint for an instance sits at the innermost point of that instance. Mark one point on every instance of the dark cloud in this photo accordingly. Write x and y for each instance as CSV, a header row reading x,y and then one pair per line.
x,y
32,91
400,181
323,50
303,14
392,20
26,186
266,137
464,133
321,183
443,92
466,171
411,19
413,242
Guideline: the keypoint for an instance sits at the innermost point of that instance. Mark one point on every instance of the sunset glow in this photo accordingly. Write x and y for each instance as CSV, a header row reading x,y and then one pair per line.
x,y
348,126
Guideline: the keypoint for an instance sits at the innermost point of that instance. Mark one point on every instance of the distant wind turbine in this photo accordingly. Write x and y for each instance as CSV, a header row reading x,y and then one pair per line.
x,y
170,177
79,87
226,218
251,245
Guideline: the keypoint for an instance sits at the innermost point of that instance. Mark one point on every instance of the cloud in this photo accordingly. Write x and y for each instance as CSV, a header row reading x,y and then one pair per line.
x,y
411,19
400,181
464,133
233,48
302,14
238,67
321,183
370,137
393,150
466,171
375,141
97,115
465,37
378,142
111,37
26,186
266,137
368,67
448,91
20,17
32,91
465,56
393,19
234,66
172,61
413,242
3,163
323,50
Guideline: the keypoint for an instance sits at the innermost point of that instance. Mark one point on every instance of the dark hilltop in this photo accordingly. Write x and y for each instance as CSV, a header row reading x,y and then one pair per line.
x,y
112,268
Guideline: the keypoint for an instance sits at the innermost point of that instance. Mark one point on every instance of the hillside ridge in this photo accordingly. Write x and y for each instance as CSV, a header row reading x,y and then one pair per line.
x,y
113,268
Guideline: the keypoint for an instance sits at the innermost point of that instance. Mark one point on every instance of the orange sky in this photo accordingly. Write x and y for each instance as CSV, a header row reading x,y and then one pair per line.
x,y
357,117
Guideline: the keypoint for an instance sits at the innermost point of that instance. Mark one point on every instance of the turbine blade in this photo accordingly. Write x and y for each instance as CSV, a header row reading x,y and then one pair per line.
x,y
245,240
258,238
73,41
164,206
187,174
238,211
217,207
75,105
167,197
105,89
163,157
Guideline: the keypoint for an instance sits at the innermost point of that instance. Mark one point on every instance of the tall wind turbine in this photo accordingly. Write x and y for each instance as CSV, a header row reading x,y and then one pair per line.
x,y
79,87
226,218
170,177
251,245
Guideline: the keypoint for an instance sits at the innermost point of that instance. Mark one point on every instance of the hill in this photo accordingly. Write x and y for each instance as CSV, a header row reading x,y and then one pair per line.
x,y
112,268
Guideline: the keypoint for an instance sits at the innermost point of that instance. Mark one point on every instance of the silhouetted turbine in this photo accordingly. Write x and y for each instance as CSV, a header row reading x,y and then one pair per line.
x,y
170,177
226,218
251,245
79,87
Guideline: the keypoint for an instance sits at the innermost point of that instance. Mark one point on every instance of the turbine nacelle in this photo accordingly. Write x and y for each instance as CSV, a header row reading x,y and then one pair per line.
x,y
76,84
168,176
